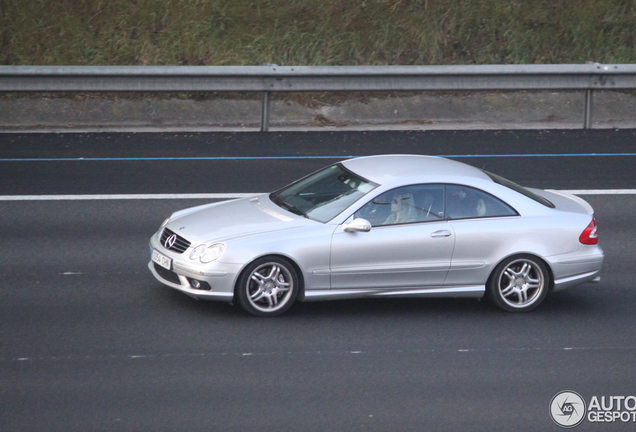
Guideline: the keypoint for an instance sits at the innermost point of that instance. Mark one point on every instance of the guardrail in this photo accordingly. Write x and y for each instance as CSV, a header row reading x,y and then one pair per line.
x,y
273,78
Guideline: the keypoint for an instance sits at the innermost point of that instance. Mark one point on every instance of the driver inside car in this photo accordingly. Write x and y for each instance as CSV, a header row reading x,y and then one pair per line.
x,y
402,209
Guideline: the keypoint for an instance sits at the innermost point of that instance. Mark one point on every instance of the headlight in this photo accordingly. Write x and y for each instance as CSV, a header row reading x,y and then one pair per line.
x,y
207,254
212,253
197,252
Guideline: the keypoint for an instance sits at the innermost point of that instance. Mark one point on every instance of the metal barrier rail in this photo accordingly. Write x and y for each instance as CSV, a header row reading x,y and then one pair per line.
x,y
274,78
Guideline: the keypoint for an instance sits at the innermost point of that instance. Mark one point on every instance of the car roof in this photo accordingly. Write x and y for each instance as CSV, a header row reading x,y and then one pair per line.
x,y
386,169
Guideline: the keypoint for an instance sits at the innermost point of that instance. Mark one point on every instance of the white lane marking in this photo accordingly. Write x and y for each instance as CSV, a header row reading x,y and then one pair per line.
x,y
601,191
123,197
232,195
323,353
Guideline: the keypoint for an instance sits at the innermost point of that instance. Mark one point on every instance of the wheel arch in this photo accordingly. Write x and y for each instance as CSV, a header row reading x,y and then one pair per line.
x,y
520,254
301,277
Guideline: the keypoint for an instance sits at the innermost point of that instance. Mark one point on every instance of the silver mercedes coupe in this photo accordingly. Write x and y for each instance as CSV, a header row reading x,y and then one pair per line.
x,y
382,226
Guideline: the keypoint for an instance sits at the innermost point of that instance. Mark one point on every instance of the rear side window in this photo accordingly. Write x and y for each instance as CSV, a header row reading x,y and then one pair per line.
x,y
515,187
466,202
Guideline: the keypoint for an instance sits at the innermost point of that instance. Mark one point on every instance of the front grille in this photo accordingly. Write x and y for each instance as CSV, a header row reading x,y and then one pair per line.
x,y
167,274
179,246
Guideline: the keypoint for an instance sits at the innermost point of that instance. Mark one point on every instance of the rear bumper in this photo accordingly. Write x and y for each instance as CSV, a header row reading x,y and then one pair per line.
x,y
579,268
562,284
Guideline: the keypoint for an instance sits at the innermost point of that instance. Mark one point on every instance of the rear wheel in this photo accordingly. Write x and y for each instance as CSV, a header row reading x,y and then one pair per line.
x,y
268,286
519,284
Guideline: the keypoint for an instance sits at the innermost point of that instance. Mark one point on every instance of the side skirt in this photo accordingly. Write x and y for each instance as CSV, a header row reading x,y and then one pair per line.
x,y
476,291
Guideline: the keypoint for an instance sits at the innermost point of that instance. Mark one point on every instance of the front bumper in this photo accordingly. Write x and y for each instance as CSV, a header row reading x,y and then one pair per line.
x,y
216,281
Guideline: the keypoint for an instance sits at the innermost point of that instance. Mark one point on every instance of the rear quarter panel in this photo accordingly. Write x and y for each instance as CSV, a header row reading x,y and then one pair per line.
x,y
481,244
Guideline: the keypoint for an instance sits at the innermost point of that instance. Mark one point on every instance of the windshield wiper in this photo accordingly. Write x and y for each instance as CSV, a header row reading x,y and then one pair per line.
x,y
294,209
278,201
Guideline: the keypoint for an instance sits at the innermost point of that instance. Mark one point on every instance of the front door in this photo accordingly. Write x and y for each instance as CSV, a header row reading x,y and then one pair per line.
x,y
410,245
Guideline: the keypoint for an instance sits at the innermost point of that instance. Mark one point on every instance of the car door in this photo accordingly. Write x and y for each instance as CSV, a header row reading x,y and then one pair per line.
x,y
483,225
404,250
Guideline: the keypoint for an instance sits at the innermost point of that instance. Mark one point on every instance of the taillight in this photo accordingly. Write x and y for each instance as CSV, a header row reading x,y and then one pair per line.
x,y
589,236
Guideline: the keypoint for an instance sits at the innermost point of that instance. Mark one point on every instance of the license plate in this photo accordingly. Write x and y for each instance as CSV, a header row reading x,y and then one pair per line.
x,y
161,259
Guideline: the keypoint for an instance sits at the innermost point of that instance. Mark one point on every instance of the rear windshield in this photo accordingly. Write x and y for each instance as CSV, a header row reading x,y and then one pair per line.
x,y
515,187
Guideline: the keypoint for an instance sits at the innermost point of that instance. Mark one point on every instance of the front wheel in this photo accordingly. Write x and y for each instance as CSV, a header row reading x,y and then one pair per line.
x,y
267,287
519,284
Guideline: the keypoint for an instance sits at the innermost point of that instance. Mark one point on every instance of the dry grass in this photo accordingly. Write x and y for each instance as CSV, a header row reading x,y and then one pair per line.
x,y
309,32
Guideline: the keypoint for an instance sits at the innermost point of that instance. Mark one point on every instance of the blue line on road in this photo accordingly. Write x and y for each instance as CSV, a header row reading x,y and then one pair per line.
x,y
297,157
229,195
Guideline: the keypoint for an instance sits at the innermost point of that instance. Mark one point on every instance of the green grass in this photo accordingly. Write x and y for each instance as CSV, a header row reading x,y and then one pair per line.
x,y
311,32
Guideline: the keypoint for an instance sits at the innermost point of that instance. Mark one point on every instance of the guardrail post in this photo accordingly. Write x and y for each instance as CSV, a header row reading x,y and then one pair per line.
x,y
265,113
587,123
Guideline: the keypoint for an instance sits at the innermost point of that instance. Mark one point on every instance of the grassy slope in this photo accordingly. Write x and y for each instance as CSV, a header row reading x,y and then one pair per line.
x,y
310,32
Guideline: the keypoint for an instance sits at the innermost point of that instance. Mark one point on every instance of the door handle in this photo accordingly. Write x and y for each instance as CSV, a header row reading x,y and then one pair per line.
x,y
442,233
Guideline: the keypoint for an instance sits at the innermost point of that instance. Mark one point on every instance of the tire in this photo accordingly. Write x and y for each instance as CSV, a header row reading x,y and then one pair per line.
x,y
267,287
519,283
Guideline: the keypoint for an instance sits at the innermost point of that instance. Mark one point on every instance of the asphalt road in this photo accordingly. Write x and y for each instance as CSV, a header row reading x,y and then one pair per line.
x,y
115,163
90,341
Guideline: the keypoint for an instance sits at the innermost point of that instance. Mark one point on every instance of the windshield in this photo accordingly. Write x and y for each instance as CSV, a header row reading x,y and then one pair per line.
x,y
323,195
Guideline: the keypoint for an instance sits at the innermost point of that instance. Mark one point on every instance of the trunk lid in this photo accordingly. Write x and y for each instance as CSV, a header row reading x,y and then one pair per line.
x,y
565,201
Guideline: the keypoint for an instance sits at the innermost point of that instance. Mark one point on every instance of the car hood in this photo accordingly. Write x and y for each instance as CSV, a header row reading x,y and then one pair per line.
x,y
228,220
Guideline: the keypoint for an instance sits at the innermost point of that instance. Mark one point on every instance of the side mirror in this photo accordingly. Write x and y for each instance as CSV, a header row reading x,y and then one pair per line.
x,y
358,225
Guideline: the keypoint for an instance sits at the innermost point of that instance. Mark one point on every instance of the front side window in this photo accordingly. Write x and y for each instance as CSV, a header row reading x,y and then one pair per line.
x,y
323,195
466,202
410,204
